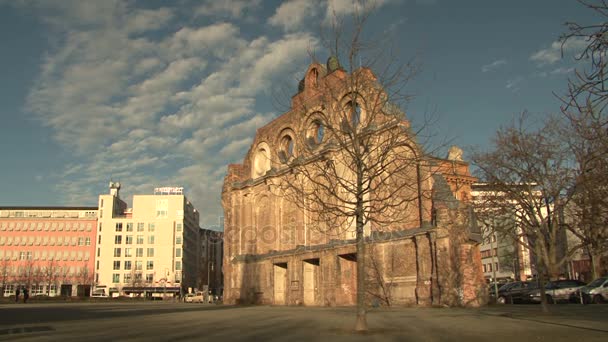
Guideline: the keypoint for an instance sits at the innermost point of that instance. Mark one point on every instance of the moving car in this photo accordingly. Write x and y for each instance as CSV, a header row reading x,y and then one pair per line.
x,y
556,291
198,297
594,292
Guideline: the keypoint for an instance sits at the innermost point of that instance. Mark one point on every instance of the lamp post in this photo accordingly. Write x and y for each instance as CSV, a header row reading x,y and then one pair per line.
x,y
493,260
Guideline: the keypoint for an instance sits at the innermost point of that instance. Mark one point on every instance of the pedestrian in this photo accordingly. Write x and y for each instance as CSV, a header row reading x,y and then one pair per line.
x,y
17,295
26,295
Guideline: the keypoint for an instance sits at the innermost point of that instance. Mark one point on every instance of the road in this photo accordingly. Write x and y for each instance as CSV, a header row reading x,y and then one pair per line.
x,y
158,321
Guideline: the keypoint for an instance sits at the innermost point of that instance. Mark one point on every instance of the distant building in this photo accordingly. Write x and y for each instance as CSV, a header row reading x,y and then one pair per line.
x,y
49,250
503,258
211,256
151,248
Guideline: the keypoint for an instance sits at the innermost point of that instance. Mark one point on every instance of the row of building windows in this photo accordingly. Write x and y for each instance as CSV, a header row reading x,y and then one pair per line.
x,y
488,267
47,214
45,255
45,241
128,265
51,290
139,252
46,226
488,253
132,278
128,239
129,227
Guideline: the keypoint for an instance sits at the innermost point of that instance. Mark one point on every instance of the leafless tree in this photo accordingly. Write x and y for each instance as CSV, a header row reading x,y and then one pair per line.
x,y
51,274
359,167
531,180
584,108
6,271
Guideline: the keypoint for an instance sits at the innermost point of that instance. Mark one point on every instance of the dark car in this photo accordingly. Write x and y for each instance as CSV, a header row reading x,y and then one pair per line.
x,y
515,292
556,291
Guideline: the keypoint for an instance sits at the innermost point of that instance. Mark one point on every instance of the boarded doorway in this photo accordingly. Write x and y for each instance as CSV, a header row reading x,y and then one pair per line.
x,y
346,293
280,283
310,282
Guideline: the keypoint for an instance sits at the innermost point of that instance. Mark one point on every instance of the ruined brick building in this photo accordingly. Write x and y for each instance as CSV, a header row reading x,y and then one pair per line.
x,y
274,254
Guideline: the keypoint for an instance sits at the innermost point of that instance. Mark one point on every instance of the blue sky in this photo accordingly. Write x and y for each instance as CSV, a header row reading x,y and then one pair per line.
x,y
161,93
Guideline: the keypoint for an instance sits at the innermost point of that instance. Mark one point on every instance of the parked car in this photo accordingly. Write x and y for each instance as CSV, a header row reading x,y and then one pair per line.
x,y
515,292
594,292
556,291
99,293
198,297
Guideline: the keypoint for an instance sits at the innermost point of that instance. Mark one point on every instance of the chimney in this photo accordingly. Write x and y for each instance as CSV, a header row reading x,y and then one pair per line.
x,y
114,189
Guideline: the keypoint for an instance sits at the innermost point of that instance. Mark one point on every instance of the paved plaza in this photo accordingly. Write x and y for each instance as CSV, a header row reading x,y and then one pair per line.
x,y
159,321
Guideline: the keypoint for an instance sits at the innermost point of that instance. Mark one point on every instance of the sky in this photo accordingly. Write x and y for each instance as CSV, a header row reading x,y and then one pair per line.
x,y
168,93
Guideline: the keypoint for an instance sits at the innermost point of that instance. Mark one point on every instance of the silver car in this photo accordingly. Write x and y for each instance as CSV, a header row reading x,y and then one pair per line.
x,y
557,291
596,291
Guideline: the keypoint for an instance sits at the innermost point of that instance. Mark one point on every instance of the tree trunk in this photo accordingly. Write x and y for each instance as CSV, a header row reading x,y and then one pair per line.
x,y
361,323
596,264
541,285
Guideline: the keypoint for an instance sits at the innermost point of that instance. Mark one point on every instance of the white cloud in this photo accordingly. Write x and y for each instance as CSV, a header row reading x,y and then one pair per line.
x,y
561,71
513,83
172,108
553,53
291,15
146,20
494,65
232,8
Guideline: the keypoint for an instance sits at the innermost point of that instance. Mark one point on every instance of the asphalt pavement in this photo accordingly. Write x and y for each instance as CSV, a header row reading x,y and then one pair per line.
x,y
160,321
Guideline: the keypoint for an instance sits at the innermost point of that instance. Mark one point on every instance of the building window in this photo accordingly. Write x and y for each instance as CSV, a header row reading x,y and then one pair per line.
x,y
80,241
150,253
116,265
117,239
489,267
151,239
119,226
97,266
98,252
127,278
128,253
496,266
22,256
149,277
140,239
178,240
178,252
151,227
99,239
149,265
87,241
130,226
129,240
128,264
138,277
485,269
117,252
99,226
140,226
178,265
138,265
116,278
139,252
178,227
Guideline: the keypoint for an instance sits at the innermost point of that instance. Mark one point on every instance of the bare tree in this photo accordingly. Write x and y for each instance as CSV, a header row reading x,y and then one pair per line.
x,y
359,166
529,174
51,274
584,108
6,272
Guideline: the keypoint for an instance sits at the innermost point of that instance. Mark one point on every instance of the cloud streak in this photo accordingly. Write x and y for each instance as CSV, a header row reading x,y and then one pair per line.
x,y
139,98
